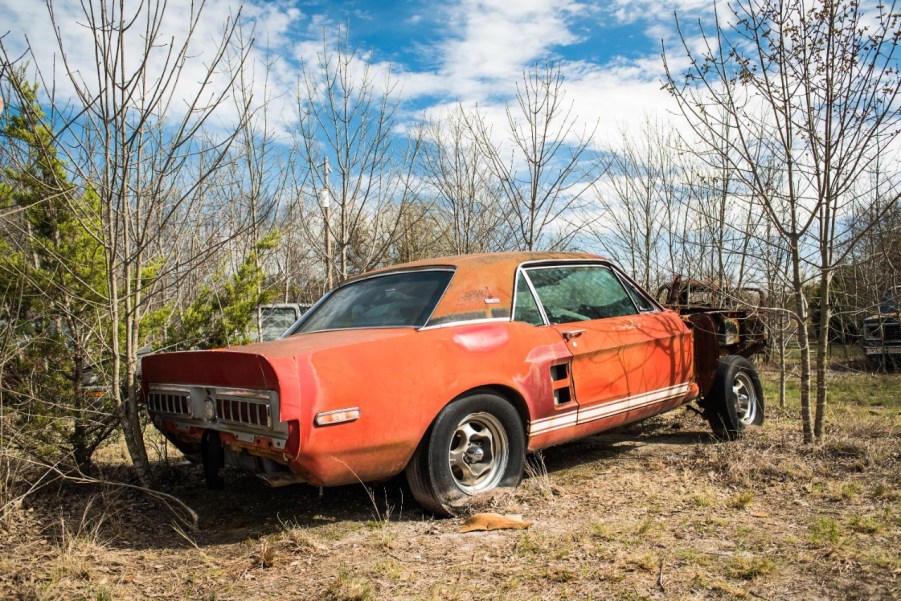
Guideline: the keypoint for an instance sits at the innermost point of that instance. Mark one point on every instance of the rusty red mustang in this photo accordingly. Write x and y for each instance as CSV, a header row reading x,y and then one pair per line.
x,y
451,369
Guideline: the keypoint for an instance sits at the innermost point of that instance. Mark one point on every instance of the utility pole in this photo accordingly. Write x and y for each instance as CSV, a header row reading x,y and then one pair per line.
x,y
325,204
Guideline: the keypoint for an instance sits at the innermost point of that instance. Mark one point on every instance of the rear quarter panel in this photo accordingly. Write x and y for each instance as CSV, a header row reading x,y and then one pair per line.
x,y
400,385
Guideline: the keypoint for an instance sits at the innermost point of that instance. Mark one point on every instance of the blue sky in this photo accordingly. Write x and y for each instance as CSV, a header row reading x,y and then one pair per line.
x,y
473,51
438,53
412,33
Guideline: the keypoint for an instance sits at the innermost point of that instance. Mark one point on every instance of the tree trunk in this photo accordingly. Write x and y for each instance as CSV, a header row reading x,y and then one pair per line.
x,y
801,315
823,355
782,343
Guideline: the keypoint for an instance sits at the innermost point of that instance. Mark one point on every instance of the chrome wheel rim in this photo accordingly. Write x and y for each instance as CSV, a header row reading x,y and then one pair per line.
x,y
744,399
478,453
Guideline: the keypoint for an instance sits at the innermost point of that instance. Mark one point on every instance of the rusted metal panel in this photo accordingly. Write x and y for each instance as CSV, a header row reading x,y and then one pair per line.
x,y
706,355
736,324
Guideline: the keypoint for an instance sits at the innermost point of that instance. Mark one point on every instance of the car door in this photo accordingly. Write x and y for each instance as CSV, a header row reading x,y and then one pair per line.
x,y
627,354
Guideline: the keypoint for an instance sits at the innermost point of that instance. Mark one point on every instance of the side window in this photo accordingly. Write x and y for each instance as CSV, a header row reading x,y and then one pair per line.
x,y
641,301
526,308
580,292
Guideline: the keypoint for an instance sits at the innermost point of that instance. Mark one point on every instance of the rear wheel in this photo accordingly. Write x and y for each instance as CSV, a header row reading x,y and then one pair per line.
x,y
736,399
476,444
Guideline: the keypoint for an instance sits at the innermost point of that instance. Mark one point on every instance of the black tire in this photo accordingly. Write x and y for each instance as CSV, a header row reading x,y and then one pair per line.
x,y
736,399
476,444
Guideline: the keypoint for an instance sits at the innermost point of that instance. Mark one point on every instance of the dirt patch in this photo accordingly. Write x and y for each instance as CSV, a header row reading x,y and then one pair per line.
x,y
659,510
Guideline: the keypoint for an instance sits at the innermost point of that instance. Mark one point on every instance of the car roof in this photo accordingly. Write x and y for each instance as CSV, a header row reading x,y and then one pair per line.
x,y
483,284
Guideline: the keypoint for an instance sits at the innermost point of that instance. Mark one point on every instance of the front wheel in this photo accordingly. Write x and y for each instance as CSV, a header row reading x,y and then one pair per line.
x,y
476,444
736,399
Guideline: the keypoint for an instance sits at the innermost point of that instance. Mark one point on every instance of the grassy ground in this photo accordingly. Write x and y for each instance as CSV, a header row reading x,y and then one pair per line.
x,y
658,510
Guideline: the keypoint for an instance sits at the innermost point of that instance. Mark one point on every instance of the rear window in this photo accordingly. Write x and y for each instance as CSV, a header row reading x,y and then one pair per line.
x,y
395,300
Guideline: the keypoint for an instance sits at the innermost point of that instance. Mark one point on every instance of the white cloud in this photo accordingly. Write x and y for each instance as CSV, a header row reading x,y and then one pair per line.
x,y
632,11
499,37
79,46
480,50
491,42
488,43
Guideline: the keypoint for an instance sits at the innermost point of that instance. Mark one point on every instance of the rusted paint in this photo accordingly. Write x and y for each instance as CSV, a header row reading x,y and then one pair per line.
x,y
479,278
706,356
721,316
401,378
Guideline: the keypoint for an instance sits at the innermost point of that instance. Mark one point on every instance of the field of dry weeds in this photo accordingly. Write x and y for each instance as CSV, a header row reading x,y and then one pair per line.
x,y
658,510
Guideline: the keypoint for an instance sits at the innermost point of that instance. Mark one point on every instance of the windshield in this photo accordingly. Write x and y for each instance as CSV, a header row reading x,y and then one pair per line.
x,y
394,300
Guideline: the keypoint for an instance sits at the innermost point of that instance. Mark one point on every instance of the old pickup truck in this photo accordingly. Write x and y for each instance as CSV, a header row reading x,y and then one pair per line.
x,y
882,331
451,370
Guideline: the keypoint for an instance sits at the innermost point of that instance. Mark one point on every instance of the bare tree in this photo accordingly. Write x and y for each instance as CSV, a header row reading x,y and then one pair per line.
x,y
134,137
724,211
420,235
549,166
644,213
814,93
870,276
466,193
347,147
258,184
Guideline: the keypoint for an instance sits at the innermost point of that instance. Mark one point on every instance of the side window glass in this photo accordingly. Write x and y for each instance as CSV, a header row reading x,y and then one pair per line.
x,y
526,308
641,301
580,293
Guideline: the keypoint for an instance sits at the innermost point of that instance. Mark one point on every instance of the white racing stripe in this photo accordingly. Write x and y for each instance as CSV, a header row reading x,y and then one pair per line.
x,y
563,420
584,416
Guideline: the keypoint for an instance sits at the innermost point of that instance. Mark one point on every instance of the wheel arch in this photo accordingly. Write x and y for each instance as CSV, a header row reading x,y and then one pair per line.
x,y
508,393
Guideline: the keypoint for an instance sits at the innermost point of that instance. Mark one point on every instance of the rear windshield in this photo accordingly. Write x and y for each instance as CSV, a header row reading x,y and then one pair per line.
x,y
394,300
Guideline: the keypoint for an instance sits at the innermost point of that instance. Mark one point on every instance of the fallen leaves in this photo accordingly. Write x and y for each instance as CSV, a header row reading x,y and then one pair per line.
x,y
494,521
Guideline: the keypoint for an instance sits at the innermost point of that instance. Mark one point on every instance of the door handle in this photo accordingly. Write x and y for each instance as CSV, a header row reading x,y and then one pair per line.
x,y
570,334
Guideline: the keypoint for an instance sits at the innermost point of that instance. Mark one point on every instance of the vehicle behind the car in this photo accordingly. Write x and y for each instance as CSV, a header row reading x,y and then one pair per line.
x,y
881,338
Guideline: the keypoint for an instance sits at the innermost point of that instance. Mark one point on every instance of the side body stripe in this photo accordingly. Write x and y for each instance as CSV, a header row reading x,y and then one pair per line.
x,y
580,416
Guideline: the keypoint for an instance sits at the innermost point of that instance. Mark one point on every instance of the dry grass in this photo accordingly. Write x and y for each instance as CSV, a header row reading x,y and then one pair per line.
x,y
656,511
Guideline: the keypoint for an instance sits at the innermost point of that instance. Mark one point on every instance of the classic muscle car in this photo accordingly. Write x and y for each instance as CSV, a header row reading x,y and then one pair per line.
x,y
451,370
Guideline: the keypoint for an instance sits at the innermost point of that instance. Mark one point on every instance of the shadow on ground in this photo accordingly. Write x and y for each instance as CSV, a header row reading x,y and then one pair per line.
x,y
248,508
